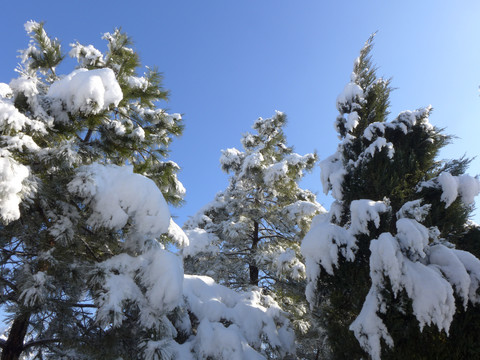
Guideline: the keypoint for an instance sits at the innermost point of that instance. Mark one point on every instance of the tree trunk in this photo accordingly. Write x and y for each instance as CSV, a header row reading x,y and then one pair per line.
x,y
13,346
252,266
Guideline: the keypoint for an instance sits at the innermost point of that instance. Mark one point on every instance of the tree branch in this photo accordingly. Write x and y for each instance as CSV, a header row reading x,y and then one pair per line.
x,y
84,305
272,236
87,137
40,342
90,249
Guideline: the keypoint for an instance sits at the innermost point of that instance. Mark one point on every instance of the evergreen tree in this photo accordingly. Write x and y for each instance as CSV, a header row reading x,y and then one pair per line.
x,y
382,266
249,236
83,184
58,134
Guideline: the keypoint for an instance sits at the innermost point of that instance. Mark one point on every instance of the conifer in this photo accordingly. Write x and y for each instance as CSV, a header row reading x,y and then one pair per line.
x,y
384,273
84,190
55,247
249,235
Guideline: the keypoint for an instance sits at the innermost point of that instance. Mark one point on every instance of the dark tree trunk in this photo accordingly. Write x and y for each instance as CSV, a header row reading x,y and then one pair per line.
x,y
13,346
252,266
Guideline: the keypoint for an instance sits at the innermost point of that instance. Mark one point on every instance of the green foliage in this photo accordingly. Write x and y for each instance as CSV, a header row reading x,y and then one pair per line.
x,y
44,53
392,161
259,218
49,253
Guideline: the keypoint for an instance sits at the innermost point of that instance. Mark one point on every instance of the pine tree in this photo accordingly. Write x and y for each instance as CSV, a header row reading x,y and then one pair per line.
x,y
383,270
249,235
62,138
84,186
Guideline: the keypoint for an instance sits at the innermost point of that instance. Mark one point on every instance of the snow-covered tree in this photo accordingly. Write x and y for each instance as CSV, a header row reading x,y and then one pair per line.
x,y
249,235
382,266
72,237
84,186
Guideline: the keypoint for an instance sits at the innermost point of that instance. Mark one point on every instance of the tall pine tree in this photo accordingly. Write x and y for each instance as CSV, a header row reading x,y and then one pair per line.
x,y
61,138
384,273
249,236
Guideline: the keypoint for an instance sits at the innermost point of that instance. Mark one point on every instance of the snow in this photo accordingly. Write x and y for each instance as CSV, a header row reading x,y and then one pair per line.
x,y
369,329
468,188
412,237
13,121
412,118
278,171
162,276
472,266
432,297
452,186
362,212
275,172
30,26
325,242
35,289
414,260
405,121
118,195
429,273
374,129
20,142
386,260
228,344
158,271
145,278
378,145
86,55
12,175
287,260
62,224
449,186
87,91
25,85
179,188
352,121
452,268
253,317
117,126
251,161
5,90
301,209
352,93
112,41
138,133
332,173
199,241
231,157
172,118
176,233
160,349
137,82
321,246
118,289
297,159
414,209
264,126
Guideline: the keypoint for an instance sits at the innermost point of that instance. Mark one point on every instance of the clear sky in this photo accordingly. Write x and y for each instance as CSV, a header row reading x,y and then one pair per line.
x,y
229,62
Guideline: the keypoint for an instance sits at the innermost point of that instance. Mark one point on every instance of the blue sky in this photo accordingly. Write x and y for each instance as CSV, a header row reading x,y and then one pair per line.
x,y
228,62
